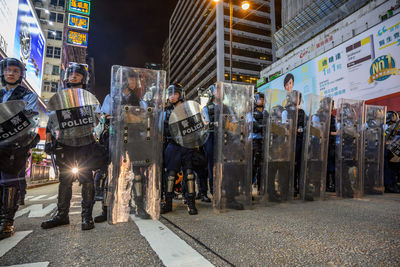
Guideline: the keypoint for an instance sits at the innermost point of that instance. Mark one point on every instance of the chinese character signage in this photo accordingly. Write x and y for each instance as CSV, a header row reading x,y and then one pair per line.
x,y
78,21
80,6
364,67
77,38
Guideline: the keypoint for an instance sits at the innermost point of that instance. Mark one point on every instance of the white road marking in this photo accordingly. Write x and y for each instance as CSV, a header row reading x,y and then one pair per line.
x,y
75,212
75,204
9,243
172,250
53,197
36,210
29,197
36,264
38,198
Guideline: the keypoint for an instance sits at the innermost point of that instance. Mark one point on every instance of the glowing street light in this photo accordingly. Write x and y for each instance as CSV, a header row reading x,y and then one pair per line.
x,y
245,5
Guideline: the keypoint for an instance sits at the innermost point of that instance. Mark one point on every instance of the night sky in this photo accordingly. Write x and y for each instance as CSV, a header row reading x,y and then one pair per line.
x,y
127,33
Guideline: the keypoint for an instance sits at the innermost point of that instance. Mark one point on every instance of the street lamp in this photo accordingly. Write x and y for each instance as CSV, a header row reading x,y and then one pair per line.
x,y
245,6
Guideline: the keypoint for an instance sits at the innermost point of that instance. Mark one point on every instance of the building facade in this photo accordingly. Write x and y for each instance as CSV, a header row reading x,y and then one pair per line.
x,y
52,17
199,43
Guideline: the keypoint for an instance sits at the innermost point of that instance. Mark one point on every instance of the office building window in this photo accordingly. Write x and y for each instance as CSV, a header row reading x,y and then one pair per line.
x,y
46,86
56,70
50,34
38,12
53,2
60,17
58,35
57,52
53,16
49,51
61,3
54,87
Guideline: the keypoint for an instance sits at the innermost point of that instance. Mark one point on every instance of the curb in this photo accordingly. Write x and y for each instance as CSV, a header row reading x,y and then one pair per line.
x,y
42,184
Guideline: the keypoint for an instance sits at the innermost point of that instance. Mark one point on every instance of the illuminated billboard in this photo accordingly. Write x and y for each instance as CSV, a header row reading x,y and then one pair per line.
x,y
362,68
79,6
78,21
77,38
21,37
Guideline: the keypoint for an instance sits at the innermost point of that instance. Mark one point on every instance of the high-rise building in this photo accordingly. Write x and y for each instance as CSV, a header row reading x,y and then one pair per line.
x,y
165,58
52,18
199,42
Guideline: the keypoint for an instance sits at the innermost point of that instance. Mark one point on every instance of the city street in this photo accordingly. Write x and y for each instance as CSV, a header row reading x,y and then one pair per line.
x,y
346,232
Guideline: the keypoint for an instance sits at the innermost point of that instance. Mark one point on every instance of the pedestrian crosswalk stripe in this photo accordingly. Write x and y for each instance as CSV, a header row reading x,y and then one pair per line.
x,y
36,210
36,264
53,197
9,243
37,198
172,250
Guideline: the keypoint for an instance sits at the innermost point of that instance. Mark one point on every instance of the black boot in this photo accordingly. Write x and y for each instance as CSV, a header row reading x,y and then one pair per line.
x,y
205,198
167,205
231,203
140,209
191,205
64,199
102,217
8,209
87,206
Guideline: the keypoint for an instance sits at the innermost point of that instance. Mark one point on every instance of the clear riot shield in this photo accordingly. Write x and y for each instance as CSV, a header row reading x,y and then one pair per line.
x,y
374,142
279,146
315,147
134,184
18,127
72,118
349,154
232,169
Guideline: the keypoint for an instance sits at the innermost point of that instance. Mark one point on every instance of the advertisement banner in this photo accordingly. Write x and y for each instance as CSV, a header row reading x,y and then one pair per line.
x,y
29,44
78,21
77,38
8,19
80,6
362,68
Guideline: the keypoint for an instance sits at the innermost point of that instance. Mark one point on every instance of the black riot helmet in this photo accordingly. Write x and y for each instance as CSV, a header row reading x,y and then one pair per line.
x,y
176,88
7,62
293,99
77,68
392,114
258,96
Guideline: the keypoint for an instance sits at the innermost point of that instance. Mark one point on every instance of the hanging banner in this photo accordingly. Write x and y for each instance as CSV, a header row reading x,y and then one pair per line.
x,y
362,68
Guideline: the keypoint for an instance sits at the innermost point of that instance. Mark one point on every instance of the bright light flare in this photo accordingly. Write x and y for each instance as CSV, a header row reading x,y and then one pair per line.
x,y
245,5
75,170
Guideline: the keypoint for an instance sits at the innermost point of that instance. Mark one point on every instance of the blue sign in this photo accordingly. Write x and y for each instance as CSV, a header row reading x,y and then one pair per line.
x,y
29,44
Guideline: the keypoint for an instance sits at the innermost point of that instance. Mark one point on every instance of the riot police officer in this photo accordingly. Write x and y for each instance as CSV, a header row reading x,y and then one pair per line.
x,y
293,104
80,157
13,154
210,109
330,179
177,157
259,116
101,176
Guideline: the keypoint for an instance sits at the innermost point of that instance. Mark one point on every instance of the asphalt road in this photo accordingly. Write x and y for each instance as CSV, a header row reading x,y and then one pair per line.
x,y
349,232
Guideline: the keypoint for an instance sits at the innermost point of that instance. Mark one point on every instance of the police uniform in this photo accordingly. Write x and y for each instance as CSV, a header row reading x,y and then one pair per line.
x,y
14,156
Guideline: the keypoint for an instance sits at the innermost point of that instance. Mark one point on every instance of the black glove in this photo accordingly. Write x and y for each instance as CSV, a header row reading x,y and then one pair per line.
x,y
49,148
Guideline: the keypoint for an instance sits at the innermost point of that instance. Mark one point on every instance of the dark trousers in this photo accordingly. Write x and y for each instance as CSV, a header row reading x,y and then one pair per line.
x,y
209,149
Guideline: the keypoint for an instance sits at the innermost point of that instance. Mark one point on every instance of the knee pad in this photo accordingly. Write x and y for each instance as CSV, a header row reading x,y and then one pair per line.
x,y
138,185
171,181
190,181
